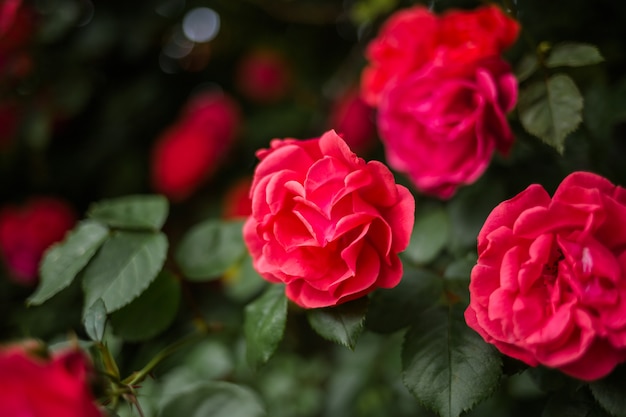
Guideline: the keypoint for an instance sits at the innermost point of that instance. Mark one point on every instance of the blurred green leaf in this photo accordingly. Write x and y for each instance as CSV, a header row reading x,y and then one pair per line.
x,y
429,237
64,260
457,276
393,309
125,266
609,392
468,211
573,55
264,324
95,319
140,320
142,212
551,110
446,365
243,282
365,11
210,248
214,399
341,324
526,67
562,405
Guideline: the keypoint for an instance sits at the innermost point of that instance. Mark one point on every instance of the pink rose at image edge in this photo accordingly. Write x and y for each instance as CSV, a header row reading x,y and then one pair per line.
x,y
326,223
445,137
27,231
188,152
549,286
39,387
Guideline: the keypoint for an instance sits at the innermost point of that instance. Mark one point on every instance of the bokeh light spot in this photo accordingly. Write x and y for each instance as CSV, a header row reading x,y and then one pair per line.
x,y
201,24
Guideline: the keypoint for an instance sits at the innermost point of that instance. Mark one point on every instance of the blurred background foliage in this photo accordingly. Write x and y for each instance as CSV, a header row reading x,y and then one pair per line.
x,y
95,84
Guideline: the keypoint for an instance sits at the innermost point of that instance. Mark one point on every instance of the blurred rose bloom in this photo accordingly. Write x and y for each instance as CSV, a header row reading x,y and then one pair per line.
x,y
237,202
34,386
17,29
353,119
326,223
264,76
27,231
442,92
188,152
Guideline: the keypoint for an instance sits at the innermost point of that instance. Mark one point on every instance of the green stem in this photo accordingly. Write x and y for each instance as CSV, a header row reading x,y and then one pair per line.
x,y
139,376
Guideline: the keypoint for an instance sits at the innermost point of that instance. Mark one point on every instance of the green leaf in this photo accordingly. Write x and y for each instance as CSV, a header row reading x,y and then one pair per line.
x,y
210,248
95,319
576,405
446,365
551,110
393,309
125,266
341,324
573,55
140,320
264,324
137,212
64,260
609,392
214,399
526,67
429,237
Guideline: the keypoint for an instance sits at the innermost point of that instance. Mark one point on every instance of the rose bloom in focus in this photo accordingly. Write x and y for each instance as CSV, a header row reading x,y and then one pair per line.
x,y
27,231
34,386
442,92
549,286
189,151
326,223
264,76
353,119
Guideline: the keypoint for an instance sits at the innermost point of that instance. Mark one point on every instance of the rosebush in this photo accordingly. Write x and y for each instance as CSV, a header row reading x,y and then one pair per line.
x,y
299,279
550,286
325,223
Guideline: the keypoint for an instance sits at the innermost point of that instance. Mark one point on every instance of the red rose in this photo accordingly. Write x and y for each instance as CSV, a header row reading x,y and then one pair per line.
x,y
264,76
188,152
442,92
353,119
326,223
413,38
36,387
442,130
27,231
550,283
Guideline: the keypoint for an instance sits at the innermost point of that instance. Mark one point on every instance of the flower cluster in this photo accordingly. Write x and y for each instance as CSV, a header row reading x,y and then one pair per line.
x,y
188,152
442,92
550,283
325,222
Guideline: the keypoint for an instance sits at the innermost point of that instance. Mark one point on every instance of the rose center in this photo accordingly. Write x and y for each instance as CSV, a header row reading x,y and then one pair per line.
x,y
551,268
